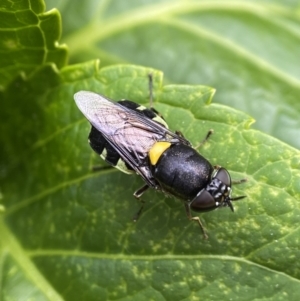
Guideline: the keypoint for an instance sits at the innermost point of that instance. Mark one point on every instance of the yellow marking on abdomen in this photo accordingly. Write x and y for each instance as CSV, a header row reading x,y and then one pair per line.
x,y
157,150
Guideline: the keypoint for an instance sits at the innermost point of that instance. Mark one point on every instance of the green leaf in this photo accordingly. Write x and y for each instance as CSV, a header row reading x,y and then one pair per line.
x,y
28,38
247,50
68,231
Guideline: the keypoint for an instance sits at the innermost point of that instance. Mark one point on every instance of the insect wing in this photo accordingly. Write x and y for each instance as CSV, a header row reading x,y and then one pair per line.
x,y
128,131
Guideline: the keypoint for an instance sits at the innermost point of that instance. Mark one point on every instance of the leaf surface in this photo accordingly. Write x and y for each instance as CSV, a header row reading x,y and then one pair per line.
x,y
76,225
66,233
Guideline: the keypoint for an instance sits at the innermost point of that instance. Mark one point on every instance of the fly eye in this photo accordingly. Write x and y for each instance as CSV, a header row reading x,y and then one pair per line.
x,y
204,201
223,175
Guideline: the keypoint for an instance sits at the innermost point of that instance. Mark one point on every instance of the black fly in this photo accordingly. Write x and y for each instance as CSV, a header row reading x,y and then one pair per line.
x,y
136,139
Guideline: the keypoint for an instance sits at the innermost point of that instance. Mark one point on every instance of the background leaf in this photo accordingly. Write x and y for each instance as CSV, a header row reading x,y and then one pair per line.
x,y
28,38
67,233
247,50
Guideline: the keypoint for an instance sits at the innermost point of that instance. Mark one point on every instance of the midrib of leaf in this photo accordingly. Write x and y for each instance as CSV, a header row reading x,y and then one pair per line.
x,y
134,18
125,257
11,246
234,48
137,17
143,15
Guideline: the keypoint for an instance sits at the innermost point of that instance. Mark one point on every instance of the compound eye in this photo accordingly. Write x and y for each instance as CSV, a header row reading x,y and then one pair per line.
x,y
223,175
204,201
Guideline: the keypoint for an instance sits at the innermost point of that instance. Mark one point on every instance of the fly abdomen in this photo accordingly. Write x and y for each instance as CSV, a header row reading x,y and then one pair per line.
x,y
107,152
182,171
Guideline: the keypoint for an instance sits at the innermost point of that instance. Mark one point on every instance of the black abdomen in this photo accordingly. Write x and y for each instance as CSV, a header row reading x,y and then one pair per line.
x,y
182,171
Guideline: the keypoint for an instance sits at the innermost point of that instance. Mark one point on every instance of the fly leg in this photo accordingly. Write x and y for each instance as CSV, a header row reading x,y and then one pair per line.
x,y
205,139
138,195
179,133
240,181
150,76
195,218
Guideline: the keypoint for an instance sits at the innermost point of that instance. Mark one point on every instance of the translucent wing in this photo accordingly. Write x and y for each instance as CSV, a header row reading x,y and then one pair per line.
x,y
128,131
